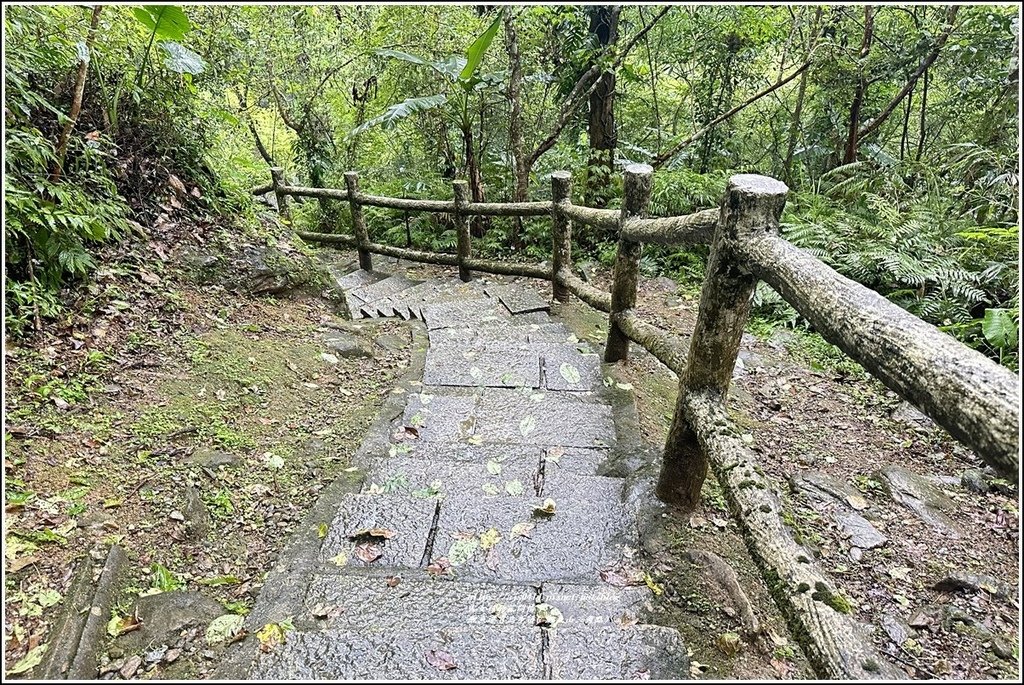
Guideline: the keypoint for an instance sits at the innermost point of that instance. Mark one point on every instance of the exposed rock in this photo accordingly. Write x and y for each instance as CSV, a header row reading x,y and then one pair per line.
x,y
348,345
897,630
664,283
974,480
165,615
197,516
1002,648
917,494
212,459
860,531
983,481
391,342
722,576
261,269
975,583
909,415
821,488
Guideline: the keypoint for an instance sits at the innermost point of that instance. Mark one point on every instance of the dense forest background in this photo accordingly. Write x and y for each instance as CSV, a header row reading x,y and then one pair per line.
x,y
896,127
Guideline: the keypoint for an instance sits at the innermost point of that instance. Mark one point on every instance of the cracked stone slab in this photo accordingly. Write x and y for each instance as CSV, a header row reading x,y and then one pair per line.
x,y
507,416
860,532
410,520
564,485
492,365
479,335
919,495
822,488
600,604
571,367
513,476
581,460
518,300
481,652
387,604
610,652
463,313
572,545
551,333
445,418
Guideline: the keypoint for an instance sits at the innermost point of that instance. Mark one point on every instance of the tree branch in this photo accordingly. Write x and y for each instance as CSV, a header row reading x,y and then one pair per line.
x,y
666,156
873,125
76,101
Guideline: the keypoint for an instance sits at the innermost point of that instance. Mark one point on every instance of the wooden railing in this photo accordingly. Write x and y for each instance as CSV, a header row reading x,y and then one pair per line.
x,y
969,395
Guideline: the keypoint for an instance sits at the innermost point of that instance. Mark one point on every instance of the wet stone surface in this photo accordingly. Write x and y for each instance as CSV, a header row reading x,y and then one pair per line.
x,y
609,652
463,313
510,477
549,418
571,367
493,364
920,496
350,542
518,300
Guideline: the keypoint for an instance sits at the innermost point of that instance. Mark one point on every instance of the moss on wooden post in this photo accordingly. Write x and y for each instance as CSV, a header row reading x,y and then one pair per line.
x,y
465,249
277,175
752,206
358,221
561,232
636,196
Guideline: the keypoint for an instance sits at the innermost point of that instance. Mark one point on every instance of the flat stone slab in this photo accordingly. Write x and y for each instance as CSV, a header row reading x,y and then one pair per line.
x,y
474,454
408,519
565,485
436,417
463,313
572,545
610,652
549,418
596,604
571,367
388,604
479,335
518,300
493,364
383,289
581,460
483,652
509,477
359,279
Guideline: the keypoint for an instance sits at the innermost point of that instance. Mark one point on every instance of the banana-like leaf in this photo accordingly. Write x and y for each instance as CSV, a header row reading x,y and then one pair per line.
x,y
475,53
449,66
168,22
181,59
394,113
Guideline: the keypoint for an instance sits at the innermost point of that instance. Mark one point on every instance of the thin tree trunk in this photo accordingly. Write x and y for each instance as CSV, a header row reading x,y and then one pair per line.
x,y
473,172
76,101
921,123
794,123
905,136
604,27
850,153
521,171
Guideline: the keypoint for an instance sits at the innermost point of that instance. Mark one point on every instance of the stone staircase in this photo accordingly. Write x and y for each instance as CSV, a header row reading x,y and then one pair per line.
x,y
482,543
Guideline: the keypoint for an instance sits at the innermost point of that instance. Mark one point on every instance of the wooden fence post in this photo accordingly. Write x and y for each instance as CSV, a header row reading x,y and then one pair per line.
x,y
358,221
277,178
636,196
561,233
752,205
465,249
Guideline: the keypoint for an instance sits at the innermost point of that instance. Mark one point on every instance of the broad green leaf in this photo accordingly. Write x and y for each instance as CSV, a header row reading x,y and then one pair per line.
x,y
475,53
527,425
448,67
493,467
514,488
999,328
462,551
29,661
168,22
403,109
182,60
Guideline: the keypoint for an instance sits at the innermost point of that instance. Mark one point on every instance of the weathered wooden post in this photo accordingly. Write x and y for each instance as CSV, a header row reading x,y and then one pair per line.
x,y
465,249
752,206
561,233
277,177
636,196
358,221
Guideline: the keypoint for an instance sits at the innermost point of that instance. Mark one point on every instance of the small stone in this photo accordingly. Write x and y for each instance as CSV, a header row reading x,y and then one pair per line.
x,y
156,655
172,655
976,583
348,346
1002,648
897,631
860,531
130,667
212,458
856,553
974,481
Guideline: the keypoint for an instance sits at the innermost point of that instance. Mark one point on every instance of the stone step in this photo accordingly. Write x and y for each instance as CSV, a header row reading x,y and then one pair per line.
x,y
518,300
464,313
408,521
491,364
359,279
611,652
583,461
379,291
501,416
514,474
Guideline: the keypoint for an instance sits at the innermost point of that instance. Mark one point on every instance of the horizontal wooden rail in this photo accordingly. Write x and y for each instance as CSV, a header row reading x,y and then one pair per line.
x,y
509,208
670,350
601,218
692,229
328,238
595,297
416,205
509,268
407,204
975,399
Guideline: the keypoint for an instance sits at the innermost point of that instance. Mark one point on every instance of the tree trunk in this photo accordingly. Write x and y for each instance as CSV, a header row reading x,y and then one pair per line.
x,y
476,185
921,124
76,102
794,123
521,170
604,27
850,154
